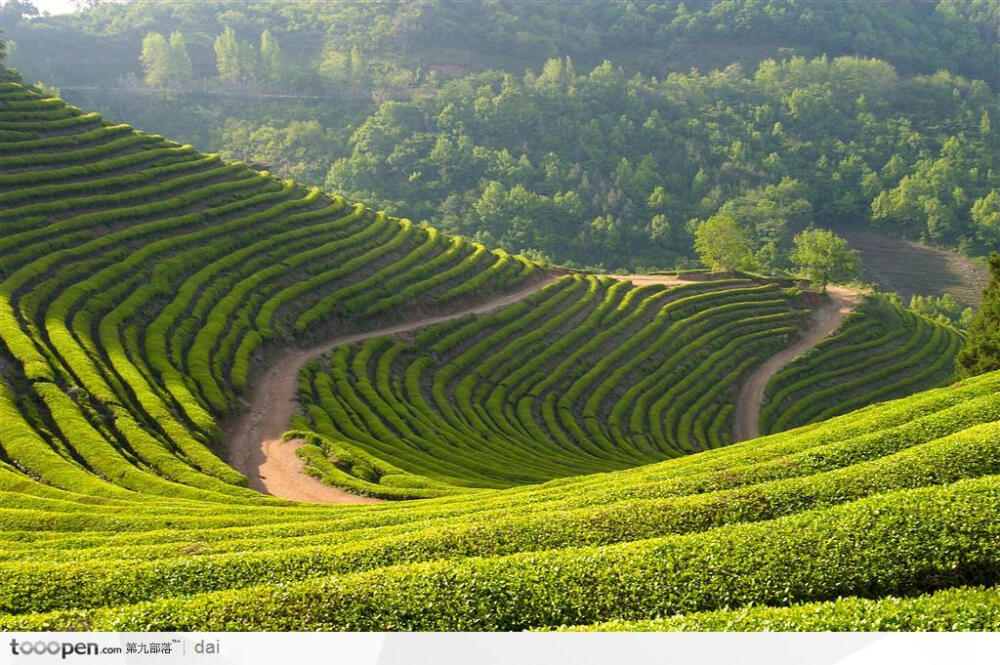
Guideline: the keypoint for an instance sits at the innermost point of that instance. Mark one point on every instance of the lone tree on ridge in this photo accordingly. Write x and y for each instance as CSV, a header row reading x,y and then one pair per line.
x,y
824,258
722,244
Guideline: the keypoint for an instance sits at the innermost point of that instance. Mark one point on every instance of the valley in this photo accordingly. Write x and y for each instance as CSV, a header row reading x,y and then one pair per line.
x,y
497,349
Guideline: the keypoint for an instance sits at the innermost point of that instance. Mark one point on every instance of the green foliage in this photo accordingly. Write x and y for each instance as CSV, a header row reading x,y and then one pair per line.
x,y
587,162
165,63
272,62
142,284
943,309
955,36
823,257
165,267
180,61
236,59
881,351
897,543
628,380
722,245
960,609
155,58
982,352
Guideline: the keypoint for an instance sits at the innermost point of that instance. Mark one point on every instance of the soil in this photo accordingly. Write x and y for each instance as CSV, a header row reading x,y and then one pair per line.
x,y
253,439
823,321
910,268
646,280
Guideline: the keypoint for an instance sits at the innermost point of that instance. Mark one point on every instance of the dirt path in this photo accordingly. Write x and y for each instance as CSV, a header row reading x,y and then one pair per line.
x,y
823,321
646,280
253,441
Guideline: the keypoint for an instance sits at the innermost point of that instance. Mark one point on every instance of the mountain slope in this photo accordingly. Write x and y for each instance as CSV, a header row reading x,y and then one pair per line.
x,y
142,284
881,351
898,499
140,279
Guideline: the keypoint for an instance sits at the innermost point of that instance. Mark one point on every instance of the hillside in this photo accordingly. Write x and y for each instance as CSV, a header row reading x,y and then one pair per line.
x,y
568,382
898,500
599,139
409,41
146,287
910,268
881,351
141,279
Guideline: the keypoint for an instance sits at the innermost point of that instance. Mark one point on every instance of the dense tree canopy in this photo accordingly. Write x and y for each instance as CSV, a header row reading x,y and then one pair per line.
x,y
156,59
982,352
577,159
614,169
404,37
943,309
722,245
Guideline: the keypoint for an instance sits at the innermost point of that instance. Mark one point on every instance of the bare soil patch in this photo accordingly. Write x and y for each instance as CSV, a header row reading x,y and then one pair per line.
x,y
910,268
822,322
253,439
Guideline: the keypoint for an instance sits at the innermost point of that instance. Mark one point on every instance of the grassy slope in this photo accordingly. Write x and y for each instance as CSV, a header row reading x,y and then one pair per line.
x,y
881,351
897,499
115,515
587,375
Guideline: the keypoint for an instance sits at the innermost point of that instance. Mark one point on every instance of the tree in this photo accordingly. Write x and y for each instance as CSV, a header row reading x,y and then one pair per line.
x,y
227,55
271,62
944,309
180,62
824,257
986,218
247,58
771,212
982,350
722,245
235,59
165,62
155,59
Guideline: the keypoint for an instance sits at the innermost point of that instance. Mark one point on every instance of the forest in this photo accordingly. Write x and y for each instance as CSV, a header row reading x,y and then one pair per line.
x,y
603,140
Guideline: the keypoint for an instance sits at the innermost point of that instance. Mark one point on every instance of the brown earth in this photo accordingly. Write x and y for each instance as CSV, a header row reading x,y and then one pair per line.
x,y
253,439
910,268
822,322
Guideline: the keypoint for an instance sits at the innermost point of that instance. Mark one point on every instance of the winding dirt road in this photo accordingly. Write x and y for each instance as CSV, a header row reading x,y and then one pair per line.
x,y
253,440
822,322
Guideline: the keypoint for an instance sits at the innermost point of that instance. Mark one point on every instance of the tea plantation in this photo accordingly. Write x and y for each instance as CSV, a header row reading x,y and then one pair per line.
x,y
570,453
882,351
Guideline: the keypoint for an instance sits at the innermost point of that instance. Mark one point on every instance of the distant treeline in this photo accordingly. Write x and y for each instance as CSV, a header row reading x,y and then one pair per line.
x,y
404,38
582,163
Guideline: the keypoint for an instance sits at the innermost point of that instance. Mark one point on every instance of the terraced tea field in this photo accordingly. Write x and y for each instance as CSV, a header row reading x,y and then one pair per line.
x,y
587,375
568,448
882,351
897,500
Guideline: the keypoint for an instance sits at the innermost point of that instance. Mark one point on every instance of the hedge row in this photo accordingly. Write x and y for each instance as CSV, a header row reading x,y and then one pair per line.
x,y
529,393
881,351
962,609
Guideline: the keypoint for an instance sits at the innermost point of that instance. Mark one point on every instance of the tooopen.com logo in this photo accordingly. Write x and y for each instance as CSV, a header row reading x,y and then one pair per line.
x,y
62,649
